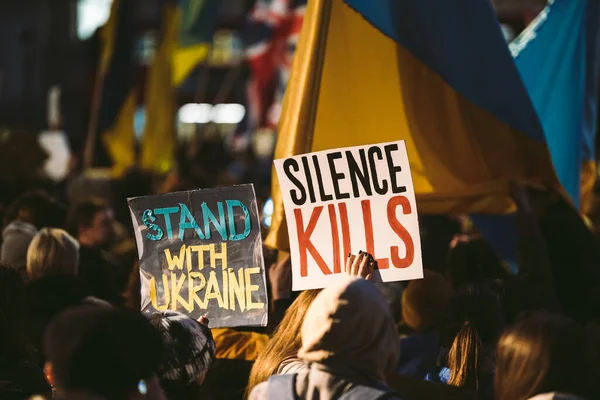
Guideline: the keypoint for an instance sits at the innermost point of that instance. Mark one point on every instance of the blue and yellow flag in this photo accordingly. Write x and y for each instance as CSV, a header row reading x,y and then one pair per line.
x,y
437,74
115,101
557,57
195,20
159,140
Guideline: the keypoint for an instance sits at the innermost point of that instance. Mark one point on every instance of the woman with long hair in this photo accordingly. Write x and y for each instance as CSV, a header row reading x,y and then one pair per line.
x,y
474,322
281,353
542,357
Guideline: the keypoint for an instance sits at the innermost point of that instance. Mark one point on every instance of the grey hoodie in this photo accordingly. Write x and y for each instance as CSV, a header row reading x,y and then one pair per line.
x,y
16,238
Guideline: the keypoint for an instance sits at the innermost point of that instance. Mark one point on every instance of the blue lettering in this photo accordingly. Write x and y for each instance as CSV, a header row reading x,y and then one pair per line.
x,y
233,235
189,224
147,218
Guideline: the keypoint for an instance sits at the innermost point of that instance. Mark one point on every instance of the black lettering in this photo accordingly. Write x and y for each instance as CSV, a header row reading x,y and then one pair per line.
x,y
309,181
288,165
324,196
384,186
358,174
336,176
394,169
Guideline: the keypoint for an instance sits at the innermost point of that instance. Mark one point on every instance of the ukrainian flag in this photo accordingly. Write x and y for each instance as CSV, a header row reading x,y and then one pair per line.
x,y
557,56
436,73
195,21
115,100
159,140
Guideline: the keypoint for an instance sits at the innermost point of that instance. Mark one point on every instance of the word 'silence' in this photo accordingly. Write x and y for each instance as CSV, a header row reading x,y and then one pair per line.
x,y
362,173
223,222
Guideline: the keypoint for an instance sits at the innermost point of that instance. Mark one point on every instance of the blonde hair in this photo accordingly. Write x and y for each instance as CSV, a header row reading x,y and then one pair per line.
x,y
285,343
52,252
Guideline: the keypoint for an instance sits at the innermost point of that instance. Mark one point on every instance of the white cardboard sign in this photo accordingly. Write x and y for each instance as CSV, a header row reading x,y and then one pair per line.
x,y
349,199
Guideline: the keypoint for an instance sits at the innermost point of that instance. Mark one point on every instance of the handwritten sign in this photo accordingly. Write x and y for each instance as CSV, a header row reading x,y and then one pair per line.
x,y
201,253
345,200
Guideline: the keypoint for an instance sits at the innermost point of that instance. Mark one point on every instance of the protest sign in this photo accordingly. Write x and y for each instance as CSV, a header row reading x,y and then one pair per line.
x,y
200,253
345,200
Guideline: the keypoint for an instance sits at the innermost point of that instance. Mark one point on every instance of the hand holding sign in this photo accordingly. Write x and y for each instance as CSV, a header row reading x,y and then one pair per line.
x,y
337,201
361,266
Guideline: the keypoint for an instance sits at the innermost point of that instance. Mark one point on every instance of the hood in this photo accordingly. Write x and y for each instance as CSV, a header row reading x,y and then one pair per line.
x,y
20,228
349,324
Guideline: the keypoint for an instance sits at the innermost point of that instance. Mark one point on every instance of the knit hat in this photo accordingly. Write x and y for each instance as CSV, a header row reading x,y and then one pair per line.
x,y
349,324
189,347
424,301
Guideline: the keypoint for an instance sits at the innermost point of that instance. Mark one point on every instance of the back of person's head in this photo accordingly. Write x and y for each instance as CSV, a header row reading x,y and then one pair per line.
x,y
541,353
37,208
82,215
30,206
189,350
12,306
51,252
471,261
46,298
474,322
349,325
103,351
424,301
285,342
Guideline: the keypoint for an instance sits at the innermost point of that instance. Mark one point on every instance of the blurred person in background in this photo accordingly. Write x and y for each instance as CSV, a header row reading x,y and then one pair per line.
x,y
91,222
103,353
424,303
189,352
52,252
47,297
27,214
543,357
474,322
20,376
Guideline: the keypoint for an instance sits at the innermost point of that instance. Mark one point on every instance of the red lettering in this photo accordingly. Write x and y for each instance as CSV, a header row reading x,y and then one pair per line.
x,y
401,231
336,239
382,263
345,228
304,243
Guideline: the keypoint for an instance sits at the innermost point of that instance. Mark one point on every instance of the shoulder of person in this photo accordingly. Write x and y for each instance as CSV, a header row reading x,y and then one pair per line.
x,y
291,366
259,392
555,396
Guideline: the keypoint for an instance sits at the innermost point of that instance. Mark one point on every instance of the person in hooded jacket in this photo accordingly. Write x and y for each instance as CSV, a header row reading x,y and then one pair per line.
x,y
350,344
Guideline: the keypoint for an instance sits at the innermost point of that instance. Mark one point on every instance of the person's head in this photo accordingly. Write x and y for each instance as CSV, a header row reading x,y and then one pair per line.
x,y
349,325
285,342
103,351
425,300
189,352
472,260
12,305
541,353
52,252
46,298
474,322
91,222
38,209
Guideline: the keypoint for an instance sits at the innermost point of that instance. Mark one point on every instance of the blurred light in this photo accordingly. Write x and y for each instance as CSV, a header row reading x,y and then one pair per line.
x,y
268,212
56,144
91,14
203,113
229,113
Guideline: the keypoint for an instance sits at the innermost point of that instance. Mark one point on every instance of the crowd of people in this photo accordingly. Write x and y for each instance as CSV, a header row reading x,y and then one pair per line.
x,y
71,326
